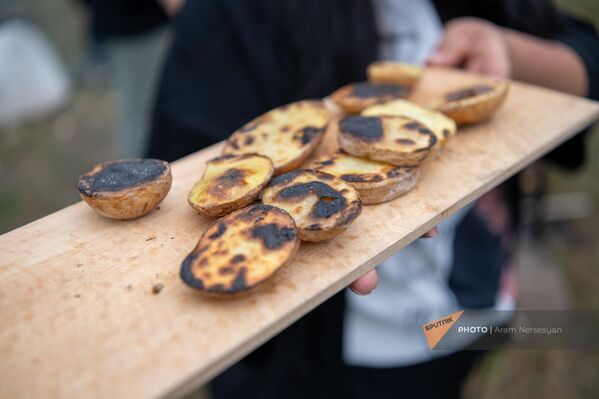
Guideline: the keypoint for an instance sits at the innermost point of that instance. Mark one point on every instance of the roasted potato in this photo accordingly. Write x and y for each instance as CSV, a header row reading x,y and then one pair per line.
x,y
240,251
322,205
355,97
287,135
441,125
398,140
375,181
394,72
125,189
230,182
473,104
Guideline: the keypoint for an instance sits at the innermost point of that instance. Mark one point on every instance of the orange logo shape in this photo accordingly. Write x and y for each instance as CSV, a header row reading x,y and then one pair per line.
x,y
435,330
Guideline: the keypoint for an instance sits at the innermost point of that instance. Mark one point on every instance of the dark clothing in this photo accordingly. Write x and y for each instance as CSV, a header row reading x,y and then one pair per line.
x,y
536,17
233,60
306,362
438,378
121,18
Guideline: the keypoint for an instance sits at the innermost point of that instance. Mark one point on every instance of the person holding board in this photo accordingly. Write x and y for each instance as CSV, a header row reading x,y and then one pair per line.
x,y
232,61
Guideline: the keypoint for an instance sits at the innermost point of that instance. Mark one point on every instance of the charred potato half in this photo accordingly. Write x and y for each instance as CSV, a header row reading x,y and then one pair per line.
x,y
441,125
398,140
473,104
125,189
287,135
394,72
375,181
322,205
355,97
230,182
240,251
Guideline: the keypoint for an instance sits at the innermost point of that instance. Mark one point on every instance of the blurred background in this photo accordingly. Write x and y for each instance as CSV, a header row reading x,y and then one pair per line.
x,y
48,138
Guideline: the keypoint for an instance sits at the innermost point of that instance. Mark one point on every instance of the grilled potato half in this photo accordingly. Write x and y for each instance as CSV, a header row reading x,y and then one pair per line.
x,y
398,140
473,104
287,135
230,182
441,125
394,72
126,189
355,97
240,251
375,181
322,205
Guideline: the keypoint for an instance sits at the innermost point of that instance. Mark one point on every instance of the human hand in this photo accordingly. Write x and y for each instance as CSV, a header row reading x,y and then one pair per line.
x,y
172,7
368,282
473,44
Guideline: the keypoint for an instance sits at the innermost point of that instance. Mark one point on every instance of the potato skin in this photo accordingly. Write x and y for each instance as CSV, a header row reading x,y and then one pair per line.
x,y
248,166
384,185
226,208
477,108
397,140
394,72
129,202
355,97
381,154
384,193
321,235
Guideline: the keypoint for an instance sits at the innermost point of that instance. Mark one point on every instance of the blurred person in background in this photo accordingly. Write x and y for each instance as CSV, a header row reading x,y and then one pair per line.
x,y
134,34
232,61
33,79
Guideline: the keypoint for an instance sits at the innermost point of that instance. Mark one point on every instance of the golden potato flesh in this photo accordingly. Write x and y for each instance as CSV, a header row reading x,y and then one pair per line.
x,y
287,135
441,125
230,182
322,205
240,251
397,140
355,97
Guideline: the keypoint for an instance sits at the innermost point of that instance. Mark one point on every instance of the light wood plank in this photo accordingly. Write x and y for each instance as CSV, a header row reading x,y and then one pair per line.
x,y
77,314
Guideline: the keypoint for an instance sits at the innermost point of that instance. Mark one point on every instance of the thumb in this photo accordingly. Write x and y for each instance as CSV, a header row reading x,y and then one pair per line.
x,y
475,65
449,53
365,284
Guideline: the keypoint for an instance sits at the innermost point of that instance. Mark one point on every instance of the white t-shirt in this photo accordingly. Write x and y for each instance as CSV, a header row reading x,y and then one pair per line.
x,y
384,329
409,29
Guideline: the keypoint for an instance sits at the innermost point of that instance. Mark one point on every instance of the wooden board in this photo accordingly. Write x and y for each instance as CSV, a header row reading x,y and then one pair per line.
x,y
77,314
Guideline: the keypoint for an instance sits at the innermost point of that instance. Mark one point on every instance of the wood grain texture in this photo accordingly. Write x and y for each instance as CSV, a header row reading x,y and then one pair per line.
x,y
78,317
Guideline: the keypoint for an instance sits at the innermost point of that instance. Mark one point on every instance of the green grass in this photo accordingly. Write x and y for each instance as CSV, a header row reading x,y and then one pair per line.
x,y
587,9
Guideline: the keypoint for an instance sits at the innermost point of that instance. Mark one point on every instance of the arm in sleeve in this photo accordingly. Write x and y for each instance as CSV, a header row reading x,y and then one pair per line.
x,y
584,40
